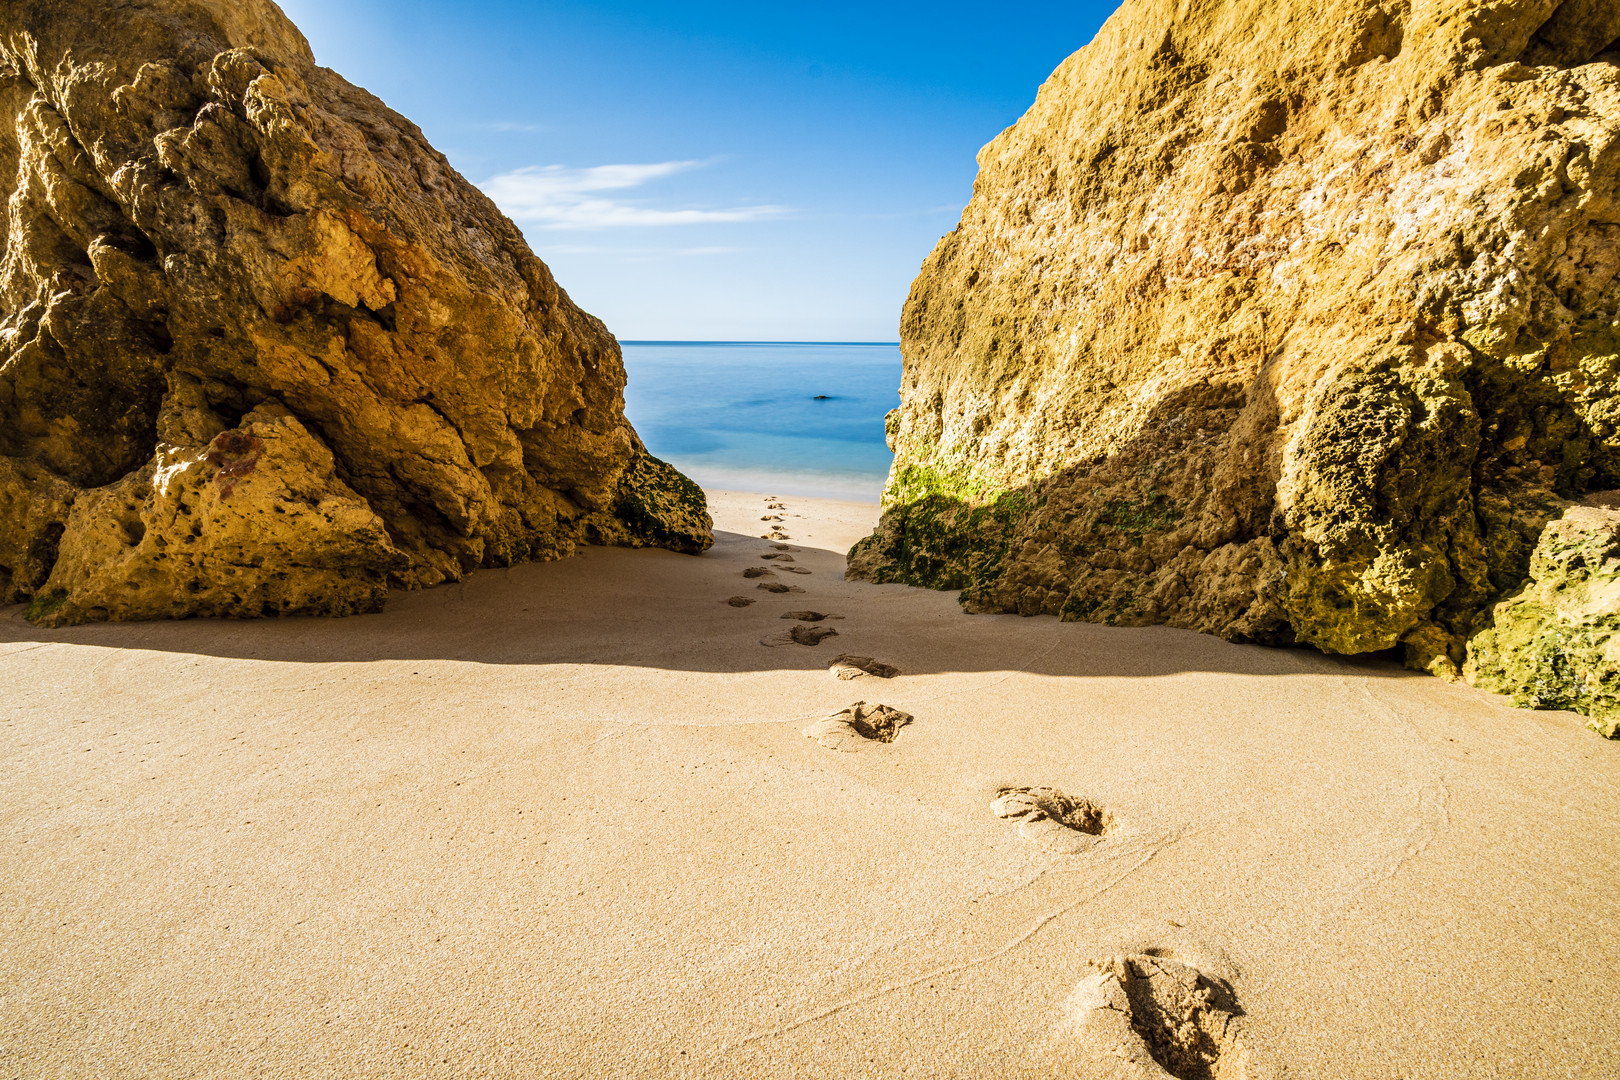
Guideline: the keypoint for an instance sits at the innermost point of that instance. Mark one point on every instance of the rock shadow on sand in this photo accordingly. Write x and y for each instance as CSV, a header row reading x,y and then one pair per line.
x,y
538,614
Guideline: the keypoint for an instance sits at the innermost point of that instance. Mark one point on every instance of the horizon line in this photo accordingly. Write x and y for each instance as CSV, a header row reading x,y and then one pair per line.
x,y
704,341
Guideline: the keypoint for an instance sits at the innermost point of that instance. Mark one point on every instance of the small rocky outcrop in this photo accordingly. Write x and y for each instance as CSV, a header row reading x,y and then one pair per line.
x,y
262,350
1555,644
1288,322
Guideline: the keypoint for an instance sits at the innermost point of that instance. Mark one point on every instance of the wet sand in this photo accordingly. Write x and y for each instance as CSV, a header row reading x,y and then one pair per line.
x,y
563,820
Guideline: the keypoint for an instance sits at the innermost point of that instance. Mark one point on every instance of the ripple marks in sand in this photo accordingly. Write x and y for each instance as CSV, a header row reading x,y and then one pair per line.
x,y
1158,1017
848,728
846,667
1052,819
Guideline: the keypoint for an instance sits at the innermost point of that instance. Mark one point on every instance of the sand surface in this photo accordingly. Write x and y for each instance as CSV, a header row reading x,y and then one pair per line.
x,y
561,821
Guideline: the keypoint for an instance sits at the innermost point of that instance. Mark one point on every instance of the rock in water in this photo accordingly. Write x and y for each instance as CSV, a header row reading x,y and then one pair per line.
x,y
1281,321
263,350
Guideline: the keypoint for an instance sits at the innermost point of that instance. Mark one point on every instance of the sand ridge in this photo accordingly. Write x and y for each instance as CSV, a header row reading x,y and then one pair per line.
x,y
560,820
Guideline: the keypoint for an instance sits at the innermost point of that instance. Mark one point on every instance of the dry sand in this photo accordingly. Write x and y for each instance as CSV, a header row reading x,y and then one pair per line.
x,y
562,821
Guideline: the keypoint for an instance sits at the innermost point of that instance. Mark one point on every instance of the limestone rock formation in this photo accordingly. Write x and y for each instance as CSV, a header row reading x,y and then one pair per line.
x,y
262,350
1280,321
1556,642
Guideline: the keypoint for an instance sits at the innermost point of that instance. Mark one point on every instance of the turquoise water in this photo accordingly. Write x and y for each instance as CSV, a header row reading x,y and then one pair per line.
x,y
779,418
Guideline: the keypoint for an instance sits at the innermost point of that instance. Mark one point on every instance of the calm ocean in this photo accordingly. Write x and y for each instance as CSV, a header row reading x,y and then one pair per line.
x,y
780,418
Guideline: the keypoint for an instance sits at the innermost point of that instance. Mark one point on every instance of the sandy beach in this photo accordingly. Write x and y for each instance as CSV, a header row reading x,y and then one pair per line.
x,y
561,821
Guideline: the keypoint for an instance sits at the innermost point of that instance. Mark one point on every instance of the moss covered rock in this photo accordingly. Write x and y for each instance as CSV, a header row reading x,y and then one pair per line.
x,y
1289,322
656,506
1555,644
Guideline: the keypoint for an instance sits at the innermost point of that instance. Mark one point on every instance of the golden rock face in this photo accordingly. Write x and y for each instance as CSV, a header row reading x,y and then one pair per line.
x,y
1284,322
263,350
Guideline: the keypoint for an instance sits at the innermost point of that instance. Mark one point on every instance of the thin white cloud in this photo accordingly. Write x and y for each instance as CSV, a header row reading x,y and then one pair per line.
x,y
558,197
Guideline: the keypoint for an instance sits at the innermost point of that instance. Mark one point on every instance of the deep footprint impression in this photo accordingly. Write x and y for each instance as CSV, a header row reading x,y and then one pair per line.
x,y
1159,1017
1048,817
793,569
800,635
808,616
848,728
846,667
740,601
758,571
778,587
778,555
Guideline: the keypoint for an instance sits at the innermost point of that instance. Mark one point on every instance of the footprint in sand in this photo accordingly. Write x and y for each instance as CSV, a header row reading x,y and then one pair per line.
x,y
782,547
848,667
793,569
771,517
1150,1017
778,556
800,635
777,587
808,616
740,601
758,571
848,728
1048,817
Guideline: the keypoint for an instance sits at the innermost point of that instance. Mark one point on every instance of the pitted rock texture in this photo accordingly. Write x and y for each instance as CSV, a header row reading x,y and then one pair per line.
x,y
262,350
1555,644
1285,322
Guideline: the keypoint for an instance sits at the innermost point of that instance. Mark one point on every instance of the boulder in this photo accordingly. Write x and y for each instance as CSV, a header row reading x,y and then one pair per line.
x,y
262,350
1555,644
1288,322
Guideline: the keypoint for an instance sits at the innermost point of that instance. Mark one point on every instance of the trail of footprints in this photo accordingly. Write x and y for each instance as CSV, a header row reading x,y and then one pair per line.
x,y
1159,1016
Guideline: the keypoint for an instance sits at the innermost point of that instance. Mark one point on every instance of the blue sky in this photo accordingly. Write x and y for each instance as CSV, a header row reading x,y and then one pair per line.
x,y
719,171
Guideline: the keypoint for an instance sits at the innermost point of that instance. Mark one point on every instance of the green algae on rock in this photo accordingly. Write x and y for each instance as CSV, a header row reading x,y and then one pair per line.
x,y
262,350
1555,644
656,506
1284,322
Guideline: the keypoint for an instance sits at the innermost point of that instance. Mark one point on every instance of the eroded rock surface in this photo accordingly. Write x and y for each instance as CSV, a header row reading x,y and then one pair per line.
x,y
1555,644
1284,322
262,350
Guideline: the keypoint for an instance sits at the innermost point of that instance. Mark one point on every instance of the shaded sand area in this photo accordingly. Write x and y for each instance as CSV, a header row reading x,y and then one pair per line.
x,y
562,821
